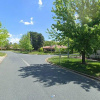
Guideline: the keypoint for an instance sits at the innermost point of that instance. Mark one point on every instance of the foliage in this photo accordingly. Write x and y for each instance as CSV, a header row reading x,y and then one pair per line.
x,y
37,40
40,49
36,53
49,43
63,50
91,68
15,46
79,20
8,45
3,36
25,43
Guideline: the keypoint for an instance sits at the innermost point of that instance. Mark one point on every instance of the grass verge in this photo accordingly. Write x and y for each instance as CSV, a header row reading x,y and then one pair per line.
x,y
91,68
43,53
36,53
2,54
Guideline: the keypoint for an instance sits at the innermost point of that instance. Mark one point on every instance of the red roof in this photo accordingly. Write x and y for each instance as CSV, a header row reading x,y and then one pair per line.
x,y
53,47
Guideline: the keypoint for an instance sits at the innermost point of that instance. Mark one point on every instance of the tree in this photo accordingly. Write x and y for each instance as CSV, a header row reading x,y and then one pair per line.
x,y
8,45
76,19
3,36
25,43
15,46
49,43
37,40
40,41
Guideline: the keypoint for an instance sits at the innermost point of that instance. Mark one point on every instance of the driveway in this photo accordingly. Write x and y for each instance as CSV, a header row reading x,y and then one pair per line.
x,y
30,77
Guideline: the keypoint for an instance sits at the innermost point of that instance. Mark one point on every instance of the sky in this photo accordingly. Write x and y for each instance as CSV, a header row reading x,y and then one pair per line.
x,y
22,16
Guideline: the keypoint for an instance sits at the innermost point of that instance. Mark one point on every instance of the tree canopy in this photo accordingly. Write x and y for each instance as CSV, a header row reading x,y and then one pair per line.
x,y
80,21
37,40
49,43
25,43
3,36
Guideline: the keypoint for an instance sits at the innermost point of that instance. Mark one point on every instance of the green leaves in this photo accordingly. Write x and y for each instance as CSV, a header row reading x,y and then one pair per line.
x,y
37,40
80,21
25,43
3,36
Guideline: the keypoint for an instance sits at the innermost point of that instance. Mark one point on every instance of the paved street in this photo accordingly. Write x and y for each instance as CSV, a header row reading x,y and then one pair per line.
x,y
30,77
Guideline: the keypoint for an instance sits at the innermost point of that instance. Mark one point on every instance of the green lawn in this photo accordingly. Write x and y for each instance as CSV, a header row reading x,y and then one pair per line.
x,y
36,52
91,68
2,54
42,53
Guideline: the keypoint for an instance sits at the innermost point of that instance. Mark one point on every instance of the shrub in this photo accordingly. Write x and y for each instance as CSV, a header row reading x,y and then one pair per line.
x,y
40,49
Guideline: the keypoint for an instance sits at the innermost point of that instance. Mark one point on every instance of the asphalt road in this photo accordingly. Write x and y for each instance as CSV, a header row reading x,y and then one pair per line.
x,y
29,77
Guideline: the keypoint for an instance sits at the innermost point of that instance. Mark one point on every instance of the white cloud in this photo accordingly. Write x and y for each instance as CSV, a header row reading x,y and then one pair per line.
x,y
21,34
10,35
40,3
14,40
21,21
28,23
31,18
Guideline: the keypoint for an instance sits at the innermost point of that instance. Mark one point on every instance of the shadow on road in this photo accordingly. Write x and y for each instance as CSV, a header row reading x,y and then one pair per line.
x,y
51,75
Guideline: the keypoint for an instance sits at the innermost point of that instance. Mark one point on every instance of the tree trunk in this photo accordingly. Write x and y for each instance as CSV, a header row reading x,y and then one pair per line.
x,y
83,57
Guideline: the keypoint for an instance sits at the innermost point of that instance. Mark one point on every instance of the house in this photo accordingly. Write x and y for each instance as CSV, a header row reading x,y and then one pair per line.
x,y
97,55
3,48
53,47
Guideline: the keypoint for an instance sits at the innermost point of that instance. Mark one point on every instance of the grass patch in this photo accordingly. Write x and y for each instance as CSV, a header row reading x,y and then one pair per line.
x,y
2,54
91,68
43,53
23,52
36,53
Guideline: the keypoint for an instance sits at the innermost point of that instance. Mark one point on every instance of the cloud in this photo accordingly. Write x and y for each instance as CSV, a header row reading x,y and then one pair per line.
x,y
40,3
28,23
14,40
10,35
21,34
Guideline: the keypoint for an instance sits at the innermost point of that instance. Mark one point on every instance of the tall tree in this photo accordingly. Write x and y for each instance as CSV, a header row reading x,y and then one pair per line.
x,y
25,43
37,40
80,21
40,40
3,36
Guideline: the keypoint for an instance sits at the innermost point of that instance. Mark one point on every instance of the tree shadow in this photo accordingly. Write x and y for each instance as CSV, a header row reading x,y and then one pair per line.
x,y
51,75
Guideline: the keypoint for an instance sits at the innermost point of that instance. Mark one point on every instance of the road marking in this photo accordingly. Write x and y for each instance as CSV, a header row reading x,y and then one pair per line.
x,y
25,62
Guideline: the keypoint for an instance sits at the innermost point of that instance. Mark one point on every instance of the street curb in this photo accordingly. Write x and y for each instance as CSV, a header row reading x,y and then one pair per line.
x,y
73,71
3,57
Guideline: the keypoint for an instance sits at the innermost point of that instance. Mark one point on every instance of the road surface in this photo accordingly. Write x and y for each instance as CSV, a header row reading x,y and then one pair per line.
x,y
29,77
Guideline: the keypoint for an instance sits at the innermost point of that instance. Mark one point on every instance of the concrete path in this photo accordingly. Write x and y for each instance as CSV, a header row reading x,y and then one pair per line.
x,y
29,77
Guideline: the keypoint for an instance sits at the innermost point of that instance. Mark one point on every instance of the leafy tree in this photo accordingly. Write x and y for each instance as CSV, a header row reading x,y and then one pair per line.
x,y
40,40
25,43
3,36
49,43
7,45
15,46
37,40
80,21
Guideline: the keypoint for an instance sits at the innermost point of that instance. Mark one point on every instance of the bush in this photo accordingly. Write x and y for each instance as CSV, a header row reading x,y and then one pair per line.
x,y
40,49
63,50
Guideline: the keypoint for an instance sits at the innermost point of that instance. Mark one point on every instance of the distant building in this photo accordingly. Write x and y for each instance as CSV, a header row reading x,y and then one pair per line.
x,y
3,48
52,48
97,55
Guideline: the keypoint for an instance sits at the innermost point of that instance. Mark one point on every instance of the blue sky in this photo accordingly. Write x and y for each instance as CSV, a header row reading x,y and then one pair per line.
x,y
21,16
